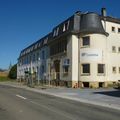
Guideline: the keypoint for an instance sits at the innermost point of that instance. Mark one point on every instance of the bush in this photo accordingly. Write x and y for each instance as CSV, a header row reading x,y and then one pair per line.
x,y
13,72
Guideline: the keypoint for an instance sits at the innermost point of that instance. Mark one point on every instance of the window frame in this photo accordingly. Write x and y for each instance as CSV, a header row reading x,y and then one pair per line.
x,y
118,49
64,70
83,39
114,50
100,73
118,30
82,69
113,29
114,71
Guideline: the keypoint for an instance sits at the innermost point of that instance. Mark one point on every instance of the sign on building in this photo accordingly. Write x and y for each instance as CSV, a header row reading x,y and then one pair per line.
x,y
90,55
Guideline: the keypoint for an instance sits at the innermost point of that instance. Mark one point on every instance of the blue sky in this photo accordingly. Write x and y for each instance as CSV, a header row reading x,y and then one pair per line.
x,y
22,22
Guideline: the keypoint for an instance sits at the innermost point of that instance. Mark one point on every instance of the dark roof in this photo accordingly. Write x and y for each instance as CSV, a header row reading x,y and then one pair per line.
x,y
111,19
91,23
83,23
38,44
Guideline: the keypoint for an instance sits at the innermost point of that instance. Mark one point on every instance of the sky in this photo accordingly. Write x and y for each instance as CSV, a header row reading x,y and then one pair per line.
x,y
23,22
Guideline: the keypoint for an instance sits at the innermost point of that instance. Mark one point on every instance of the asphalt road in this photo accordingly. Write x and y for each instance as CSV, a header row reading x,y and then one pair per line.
x,y
20,104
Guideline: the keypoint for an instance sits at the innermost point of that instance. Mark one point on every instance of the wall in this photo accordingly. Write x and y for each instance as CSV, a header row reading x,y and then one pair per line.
x,y
97,43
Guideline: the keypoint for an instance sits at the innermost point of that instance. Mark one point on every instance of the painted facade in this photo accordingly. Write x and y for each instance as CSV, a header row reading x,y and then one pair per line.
x,y
82,51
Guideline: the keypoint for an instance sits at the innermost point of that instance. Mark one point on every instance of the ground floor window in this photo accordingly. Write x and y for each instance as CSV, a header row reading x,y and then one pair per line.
x,y
119,69
65,70
114,69
101,68
85,69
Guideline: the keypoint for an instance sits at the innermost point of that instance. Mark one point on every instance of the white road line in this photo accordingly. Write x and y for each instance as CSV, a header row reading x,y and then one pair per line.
x,y
21,97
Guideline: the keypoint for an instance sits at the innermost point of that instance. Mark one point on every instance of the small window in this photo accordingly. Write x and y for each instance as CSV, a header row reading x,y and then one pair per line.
x,y
119,69
118,30
101,68
113,29
65,69
57,31
113,49
114,69
86,69
66,26
43,54
42,69
119,49
54,33
33,57
86,41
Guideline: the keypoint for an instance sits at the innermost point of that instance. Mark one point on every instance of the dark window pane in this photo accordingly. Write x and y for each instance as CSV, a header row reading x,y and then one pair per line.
x,y
113,29
101,68
86,68
86,41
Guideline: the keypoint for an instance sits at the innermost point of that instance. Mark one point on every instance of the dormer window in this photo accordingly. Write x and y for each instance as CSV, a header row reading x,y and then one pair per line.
x,y
56,31
45,41
66,26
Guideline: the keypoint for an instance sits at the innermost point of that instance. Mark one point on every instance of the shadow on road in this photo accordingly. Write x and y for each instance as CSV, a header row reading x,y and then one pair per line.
x,y
115,93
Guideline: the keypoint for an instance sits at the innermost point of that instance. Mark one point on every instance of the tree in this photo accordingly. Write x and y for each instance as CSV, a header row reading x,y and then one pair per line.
x,y
13,72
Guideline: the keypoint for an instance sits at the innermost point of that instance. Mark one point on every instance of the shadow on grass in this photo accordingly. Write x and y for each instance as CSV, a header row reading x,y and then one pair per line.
x,y
115,93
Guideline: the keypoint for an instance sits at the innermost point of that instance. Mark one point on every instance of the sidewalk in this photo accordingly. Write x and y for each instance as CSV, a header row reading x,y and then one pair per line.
x,y
104,97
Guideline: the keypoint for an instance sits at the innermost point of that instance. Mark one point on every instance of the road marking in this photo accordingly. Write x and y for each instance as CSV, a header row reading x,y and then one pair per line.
x,y
21,97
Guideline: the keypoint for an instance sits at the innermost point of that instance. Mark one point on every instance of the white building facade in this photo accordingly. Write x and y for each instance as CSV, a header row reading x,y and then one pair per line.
x,y
82,51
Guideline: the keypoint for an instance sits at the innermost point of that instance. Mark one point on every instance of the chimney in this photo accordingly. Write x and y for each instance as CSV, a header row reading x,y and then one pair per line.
x,y
103,12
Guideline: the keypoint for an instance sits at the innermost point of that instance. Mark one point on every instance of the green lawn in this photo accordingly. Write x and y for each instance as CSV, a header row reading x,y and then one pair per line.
x,y
3,79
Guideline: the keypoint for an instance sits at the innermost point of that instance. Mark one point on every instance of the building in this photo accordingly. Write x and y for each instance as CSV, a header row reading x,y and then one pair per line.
x,y
82,51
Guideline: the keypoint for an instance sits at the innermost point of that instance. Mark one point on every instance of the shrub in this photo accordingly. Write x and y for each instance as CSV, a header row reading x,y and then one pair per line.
x,y
13,72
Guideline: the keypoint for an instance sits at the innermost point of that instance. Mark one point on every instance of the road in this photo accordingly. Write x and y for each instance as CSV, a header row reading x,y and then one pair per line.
x,y
20,104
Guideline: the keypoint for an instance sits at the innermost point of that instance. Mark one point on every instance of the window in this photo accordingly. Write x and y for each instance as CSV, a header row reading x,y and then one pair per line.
x,y
65,69
118,30
43,55
56,32
119,49
42,69
101,68
66,26
114,69
45,41
58,47
119,69
85,68
86,41
113,49
113,29
33,58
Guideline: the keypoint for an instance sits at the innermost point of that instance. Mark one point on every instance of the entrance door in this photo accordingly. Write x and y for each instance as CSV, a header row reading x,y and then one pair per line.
x,y
57,68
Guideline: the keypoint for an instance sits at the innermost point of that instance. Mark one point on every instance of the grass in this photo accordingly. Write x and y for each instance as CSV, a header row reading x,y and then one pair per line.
x,y
4,78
